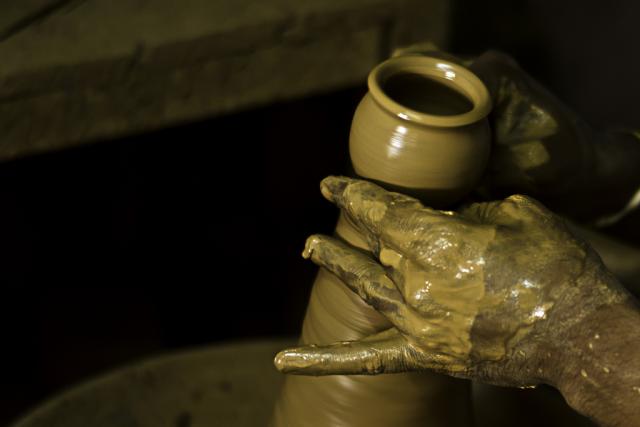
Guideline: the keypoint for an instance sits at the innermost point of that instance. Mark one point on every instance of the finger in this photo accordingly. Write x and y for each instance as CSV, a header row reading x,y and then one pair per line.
x,y
512,211
387,352
400,228
342,191
483,212
490,67
378,212
362,274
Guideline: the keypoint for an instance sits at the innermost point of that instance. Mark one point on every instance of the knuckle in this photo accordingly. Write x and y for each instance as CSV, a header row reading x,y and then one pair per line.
x,y
525,206
520,199
374,363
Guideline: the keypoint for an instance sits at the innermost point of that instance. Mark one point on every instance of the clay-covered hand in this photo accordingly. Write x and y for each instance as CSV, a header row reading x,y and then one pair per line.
x,y
544,149
484,293
540,147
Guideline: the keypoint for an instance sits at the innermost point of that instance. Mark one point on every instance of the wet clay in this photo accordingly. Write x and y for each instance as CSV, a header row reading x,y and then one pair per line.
x,y
481,293
453,304
335,313
438,156
422,129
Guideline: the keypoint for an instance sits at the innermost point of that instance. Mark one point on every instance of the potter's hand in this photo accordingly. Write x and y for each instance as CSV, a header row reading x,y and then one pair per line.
x,y
542,148
486,293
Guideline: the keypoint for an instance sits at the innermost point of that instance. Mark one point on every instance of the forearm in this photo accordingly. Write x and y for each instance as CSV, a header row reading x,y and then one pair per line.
x,y
618,164
600,362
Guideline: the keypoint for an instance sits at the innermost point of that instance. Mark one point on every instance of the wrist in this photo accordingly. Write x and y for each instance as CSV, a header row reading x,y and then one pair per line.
x,y
599,374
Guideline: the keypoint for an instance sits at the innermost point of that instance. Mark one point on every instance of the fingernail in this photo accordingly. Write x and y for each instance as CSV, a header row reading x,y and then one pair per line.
x,y
279,361
333,186
292,361
309,246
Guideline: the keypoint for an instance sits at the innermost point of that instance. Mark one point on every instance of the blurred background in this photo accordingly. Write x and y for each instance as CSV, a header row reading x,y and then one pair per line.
x,y
160,161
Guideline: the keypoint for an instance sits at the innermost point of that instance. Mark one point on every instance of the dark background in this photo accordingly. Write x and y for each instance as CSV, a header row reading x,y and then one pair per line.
x,y
192,235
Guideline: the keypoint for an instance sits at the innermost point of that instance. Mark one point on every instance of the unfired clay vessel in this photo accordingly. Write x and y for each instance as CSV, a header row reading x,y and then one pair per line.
x,y
421,129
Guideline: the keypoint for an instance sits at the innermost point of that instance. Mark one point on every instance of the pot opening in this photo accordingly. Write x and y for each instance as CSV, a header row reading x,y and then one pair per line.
x,y
426,94
429,91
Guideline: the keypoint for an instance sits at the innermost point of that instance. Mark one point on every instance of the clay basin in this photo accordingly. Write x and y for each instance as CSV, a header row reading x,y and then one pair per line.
x,y
235,385
231,385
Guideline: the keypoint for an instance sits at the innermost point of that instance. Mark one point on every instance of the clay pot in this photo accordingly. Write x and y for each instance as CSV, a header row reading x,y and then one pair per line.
x,y
422,129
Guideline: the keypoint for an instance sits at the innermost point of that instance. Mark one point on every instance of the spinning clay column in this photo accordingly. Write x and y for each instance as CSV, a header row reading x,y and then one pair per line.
x,y
421,130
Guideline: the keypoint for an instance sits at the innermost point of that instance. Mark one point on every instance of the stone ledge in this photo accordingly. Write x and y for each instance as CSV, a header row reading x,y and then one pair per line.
x,y
98,69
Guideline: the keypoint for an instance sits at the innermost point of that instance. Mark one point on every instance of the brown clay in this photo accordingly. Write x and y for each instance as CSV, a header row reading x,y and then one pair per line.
x,y
421,129
412,399
547,310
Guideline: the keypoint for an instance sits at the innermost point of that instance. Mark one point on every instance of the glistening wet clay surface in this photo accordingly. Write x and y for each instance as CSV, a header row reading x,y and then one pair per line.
x,y
445,161
335,313
503,277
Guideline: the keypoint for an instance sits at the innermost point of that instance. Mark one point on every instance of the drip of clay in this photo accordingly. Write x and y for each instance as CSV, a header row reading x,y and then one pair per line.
x,y
420,130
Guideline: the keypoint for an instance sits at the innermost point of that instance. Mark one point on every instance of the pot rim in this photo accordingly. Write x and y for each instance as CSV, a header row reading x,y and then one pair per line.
x,y
453,75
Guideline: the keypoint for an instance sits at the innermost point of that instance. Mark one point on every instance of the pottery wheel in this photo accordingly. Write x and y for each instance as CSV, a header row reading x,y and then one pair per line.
x,y
231,385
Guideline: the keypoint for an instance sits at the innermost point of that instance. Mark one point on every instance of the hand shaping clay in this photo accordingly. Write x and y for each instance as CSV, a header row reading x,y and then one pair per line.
x,y
420,130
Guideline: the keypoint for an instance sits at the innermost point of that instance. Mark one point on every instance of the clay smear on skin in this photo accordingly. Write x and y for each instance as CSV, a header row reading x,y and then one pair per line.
x,y
447,288
335,313
443,279
449,307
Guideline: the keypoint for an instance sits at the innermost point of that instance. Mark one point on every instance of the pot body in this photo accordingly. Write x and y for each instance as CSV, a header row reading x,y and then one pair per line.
x,y
438,165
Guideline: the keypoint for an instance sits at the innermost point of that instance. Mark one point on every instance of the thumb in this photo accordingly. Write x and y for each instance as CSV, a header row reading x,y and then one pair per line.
x,y
491,66
385,352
